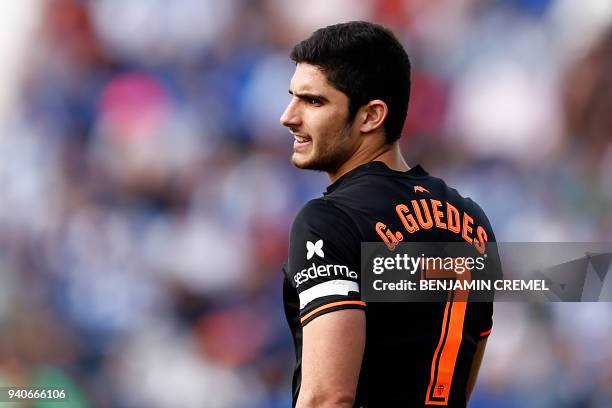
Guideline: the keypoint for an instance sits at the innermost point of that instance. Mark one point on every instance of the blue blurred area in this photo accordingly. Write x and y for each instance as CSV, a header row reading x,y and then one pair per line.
x,y
148,194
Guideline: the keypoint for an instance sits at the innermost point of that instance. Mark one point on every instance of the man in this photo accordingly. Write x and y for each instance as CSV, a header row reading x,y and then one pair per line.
x,y
350,93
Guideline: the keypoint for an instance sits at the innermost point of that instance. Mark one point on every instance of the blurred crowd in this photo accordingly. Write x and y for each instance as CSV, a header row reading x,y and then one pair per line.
x,y
147,192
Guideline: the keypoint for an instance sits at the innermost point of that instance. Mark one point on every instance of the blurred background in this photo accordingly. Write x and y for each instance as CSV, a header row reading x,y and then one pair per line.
x,y
147,194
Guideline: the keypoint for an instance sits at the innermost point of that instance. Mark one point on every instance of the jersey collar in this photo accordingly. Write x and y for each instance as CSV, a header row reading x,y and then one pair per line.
x,y
374,167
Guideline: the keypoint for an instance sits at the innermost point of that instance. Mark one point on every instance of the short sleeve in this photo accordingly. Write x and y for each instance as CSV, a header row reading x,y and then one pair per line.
x,y
495,272
486,321
324,260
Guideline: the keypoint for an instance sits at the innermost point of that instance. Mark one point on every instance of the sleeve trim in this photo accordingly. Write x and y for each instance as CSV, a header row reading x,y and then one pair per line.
x,y
329,288
485,333
333,304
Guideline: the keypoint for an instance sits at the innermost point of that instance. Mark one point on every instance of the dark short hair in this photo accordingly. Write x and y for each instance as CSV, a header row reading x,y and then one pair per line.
x,y
364,61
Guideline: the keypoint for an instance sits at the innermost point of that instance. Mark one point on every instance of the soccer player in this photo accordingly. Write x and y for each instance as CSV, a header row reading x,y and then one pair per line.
x,y
349,98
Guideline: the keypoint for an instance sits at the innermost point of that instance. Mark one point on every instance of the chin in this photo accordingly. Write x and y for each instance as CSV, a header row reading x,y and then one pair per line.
x,y
300,162
310,164
304,163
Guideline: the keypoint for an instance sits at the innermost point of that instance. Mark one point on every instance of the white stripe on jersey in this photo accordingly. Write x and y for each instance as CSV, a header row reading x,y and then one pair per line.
x,y
332,287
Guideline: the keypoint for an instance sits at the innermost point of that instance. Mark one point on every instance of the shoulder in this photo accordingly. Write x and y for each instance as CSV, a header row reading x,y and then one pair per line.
x,y
313,209
319,207
480,216
323,225
322,215
467,204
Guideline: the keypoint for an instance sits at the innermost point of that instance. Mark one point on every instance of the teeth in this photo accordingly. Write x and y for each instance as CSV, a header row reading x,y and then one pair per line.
x,y
300,139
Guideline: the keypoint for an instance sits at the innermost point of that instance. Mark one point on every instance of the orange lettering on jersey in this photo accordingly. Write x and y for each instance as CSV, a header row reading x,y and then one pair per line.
x,y
387,236
425,223
454,220
482,238
425,217
437,213
407,219
467,227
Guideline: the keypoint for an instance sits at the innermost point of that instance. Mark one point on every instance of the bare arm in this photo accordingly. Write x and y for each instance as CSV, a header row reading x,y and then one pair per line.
x,y
332,350
480,348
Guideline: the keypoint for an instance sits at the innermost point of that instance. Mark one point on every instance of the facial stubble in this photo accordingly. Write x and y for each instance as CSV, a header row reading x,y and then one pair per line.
x,y
330,154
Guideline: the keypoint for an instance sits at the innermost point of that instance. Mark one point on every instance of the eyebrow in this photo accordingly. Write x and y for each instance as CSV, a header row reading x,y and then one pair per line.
x,y
309,96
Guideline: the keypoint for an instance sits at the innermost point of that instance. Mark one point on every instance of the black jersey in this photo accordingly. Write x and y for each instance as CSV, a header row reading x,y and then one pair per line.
x,y
416,354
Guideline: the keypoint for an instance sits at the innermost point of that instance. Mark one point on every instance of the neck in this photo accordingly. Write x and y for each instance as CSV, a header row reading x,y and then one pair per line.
x,y
388,154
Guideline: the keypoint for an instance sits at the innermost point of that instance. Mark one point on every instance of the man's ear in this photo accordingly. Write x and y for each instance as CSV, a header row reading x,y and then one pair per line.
x,y
372,115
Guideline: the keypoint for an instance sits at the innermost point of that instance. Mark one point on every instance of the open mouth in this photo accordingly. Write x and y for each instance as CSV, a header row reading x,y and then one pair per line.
x,y
301,144
301,139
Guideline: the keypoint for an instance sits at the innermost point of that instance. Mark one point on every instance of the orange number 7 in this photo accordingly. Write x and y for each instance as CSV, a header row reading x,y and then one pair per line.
x,y
445,356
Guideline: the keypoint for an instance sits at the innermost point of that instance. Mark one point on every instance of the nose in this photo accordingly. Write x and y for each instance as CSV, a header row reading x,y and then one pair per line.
x,y
290,116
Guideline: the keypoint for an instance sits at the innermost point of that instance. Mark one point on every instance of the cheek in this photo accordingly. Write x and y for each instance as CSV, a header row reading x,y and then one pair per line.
x,y
327,124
